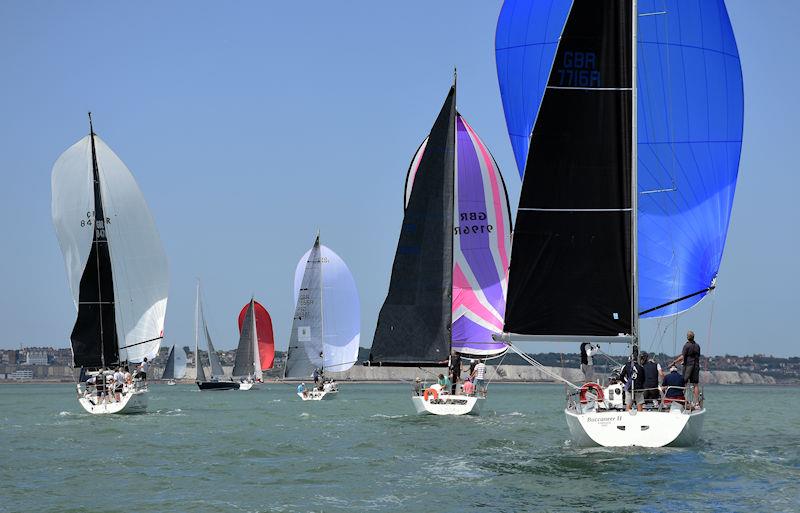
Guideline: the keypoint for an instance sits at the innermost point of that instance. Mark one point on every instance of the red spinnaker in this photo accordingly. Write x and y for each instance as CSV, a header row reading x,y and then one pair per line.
x,y
266,341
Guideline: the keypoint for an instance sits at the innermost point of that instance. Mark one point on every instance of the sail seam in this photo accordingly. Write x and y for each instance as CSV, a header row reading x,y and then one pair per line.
x,y
567,88
576,209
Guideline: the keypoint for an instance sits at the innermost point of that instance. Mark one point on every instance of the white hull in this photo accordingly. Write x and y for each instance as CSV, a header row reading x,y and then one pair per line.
x,y
134,401
446,405
317,395
635,429
247,385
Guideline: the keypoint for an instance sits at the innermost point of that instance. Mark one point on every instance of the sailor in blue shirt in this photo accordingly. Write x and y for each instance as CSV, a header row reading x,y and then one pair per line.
x,y
673,379
301,388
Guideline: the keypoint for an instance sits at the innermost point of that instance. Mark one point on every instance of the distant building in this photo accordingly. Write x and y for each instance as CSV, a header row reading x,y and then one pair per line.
x,y
36,357
21,374
8,357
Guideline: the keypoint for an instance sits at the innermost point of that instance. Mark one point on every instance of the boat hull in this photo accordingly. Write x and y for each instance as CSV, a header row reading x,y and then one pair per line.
x,y
318,395
635,429
446,405
133,402
217,385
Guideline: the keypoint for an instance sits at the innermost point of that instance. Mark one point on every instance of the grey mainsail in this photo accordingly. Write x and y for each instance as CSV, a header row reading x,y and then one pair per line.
x,y
244,365
306,340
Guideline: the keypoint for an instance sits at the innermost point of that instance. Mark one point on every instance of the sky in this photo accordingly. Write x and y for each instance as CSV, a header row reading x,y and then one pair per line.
x,y
251,125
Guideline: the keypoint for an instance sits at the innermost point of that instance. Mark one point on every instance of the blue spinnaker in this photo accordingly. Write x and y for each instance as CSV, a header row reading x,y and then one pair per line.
x,y
690,121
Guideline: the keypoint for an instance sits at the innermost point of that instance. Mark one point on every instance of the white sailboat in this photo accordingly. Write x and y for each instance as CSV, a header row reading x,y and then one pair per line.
x,y
217,381
116,267
618,220
326,327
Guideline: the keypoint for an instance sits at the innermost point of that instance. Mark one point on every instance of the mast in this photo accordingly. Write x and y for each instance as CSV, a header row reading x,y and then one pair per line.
x,y
197,333
256,356
454,212
634,184
321,306
98,195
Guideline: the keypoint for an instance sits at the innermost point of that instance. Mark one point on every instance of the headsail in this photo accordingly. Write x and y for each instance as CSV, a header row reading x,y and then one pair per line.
x,y
571,264
689,133
176,364
89,181
201,331
414,324
266,339
341,311
481,243
305,352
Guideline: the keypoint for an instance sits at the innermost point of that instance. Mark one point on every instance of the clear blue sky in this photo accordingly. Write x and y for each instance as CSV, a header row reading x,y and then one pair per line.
x,y
249,125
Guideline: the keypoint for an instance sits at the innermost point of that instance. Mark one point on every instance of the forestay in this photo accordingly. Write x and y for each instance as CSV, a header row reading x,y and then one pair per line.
x,y
481,243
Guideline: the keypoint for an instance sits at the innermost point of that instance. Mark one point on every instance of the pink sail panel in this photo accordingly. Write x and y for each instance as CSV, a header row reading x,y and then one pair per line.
x,y
266,340
481,244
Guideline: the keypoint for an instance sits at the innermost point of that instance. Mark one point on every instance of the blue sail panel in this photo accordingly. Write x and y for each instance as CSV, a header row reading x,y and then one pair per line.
x,y
690,118
525,46
690,121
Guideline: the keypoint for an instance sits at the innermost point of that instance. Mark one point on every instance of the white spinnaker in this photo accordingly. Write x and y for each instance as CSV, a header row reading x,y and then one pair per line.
x,y
341,310
73,204
138,261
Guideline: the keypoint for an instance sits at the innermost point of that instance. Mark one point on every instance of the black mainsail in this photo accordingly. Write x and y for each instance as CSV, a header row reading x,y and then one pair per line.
x,y
94,336
414,324
571,272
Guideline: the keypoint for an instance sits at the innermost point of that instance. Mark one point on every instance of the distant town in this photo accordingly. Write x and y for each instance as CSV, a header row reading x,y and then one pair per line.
x,y
55,364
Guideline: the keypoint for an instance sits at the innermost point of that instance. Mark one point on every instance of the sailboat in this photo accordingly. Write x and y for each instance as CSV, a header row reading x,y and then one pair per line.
x,y
116,267
175,367
326,329
448,287
248,366
217,375
266,338
627,184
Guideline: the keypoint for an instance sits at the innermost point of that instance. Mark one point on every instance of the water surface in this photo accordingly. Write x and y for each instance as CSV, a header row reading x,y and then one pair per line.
x,y
265,451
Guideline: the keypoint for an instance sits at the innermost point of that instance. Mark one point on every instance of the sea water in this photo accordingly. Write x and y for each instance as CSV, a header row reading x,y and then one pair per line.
x,y
266,450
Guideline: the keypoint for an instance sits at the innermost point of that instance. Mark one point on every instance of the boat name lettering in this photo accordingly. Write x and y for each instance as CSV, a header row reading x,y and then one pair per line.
x,y
475,228
613,418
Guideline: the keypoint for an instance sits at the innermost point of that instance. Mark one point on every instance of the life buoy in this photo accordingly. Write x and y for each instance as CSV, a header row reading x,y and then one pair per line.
x,y
591,386
431,391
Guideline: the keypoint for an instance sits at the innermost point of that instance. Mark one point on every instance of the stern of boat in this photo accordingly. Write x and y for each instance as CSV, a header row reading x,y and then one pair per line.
x,y
674,428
